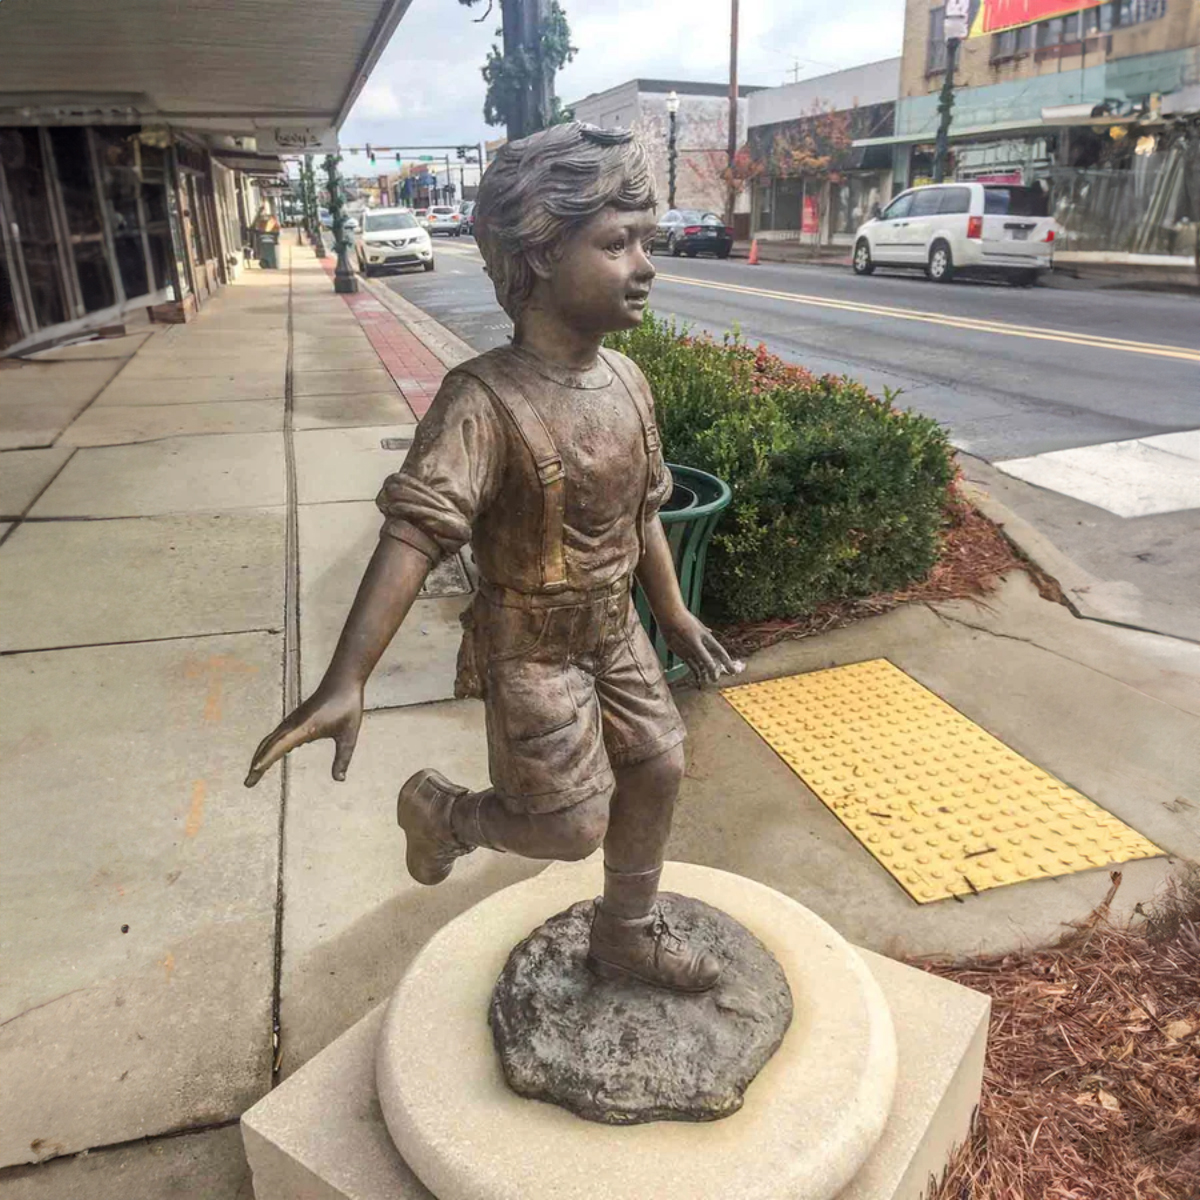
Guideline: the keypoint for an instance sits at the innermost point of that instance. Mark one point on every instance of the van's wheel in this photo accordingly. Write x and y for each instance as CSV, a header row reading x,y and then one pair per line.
x,y
862,258
429,265
940,267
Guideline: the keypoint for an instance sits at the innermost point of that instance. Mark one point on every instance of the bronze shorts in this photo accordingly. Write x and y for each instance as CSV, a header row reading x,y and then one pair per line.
x,y
572,688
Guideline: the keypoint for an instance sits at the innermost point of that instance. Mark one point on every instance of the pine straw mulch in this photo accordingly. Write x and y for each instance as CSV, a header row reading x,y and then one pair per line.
x,y
975,555
1092,1084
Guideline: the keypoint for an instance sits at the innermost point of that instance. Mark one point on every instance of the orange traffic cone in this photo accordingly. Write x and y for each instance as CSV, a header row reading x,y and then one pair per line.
x,y
753,259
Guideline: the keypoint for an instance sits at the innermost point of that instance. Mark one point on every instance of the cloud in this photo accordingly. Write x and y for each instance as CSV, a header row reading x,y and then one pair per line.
x,y
427,89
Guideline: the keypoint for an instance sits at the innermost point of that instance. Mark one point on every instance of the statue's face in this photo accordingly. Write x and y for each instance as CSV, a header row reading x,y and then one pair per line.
x,y
600,282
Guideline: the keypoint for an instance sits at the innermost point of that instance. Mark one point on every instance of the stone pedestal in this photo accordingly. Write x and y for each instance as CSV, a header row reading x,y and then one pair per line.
x,y
872,1087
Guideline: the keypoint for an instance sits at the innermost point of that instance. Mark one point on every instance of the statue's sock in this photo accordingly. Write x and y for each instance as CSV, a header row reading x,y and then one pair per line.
x,y
465,818
630,895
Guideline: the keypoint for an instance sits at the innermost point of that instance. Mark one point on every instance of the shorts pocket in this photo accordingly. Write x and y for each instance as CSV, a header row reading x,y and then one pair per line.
x,y
514,632
529,703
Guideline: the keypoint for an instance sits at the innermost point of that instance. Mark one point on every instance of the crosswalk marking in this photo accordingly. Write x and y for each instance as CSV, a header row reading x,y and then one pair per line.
x,y
1135,478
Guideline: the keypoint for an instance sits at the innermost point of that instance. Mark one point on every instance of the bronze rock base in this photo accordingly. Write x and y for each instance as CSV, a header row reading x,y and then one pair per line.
x,y
625,1053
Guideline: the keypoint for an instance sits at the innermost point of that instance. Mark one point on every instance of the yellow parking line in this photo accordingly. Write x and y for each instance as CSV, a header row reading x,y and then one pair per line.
x,y
974,324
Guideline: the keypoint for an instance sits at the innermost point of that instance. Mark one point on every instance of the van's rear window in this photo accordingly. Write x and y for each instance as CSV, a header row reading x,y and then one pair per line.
x,y
1016,202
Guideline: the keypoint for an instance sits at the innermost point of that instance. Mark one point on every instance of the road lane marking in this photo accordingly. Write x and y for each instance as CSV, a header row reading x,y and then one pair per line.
x,y
975,325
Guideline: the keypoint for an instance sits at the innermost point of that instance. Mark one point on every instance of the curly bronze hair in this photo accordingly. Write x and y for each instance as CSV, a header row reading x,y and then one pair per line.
x,y
537,190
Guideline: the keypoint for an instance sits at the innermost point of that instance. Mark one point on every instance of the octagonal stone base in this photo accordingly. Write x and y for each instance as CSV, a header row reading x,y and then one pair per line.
x,y
812,1114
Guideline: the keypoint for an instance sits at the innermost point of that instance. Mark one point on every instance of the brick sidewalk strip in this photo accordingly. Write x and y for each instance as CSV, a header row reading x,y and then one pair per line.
x,y
415,370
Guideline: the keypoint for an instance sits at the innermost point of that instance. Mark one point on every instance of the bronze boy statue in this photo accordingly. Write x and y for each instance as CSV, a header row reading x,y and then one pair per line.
x,y
544,455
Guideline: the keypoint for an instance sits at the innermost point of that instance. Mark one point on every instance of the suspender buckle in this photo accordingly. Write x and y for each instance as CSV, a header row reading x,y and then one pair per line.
x,y
550,471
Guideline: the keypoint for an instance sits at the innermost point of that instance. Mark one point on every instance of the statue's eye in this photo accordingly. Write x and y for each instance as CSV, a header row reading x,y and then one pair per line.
x,y
618,246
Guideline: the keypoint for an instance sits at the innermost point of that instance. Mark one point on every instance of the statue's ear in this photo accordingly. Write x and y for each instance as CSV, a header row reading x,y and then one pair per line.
x,y
540,262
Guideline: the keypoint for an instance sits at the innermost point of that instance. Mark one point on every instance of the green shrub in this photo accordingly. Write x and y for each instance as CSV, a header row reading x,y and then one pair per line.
x,y
836,493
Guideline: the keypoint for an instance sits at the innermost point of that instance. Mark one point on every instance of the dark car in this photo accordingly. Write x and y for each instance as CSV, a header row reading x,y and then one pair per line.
x,y
690,231
468,217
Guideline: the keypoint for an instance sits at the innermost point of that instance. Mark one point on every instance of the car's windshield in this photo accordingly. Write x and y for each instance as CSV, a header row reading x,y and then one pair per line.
x,y
1016,202
377,222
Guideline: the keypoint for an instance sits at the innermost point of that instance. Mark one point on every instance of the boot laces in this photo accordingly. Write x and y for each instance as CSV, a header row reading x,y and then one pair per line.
x,y
664,936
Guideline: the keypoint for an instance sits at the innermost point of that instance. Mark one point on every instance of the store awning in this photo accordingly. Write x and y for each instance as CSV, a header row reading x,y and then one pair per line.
x,y
957,133
282,72
257,165
960,133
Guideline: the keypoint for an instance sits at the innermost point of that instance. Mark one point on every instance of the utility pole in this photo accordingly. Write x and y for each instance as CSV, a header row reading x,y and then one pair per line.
x,y
521,22
672,114
733,108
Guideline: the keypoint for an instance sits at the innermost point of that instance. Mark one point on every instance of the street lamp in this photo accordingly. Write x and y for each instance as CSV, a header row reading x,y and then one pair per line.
x,y
343,274
672,112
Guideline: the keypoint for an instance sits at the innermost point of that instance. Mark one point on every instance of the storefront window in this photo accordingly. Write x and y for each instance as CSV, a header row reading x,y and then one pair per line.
x,y
85,224
28,192
122,185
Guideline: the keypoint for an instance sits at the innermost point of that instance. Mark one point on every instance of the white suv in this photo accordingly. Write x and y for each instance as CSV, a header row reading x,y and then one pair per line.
x,y
950,227
391,237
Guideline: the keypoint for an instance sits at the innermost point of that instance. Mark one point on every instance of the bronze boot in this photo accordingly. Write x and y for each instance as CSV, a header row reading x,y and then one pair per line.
x,y
424,810
645,948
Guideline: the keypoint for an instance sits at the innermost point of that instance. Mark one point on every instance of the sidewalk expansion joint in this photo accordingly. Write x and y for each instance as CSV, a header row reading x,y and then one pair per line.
x,y
175,637
21,1170
291,659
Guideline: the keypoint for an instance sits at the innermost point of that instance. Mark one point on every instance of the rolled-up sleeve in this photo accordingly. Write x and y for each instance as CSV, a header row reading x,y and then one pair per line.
x,y
451,474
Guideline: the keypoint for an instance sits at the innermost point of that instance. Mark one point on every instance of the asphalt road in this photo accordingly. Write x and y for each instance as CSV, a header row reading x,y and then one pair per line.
x,y
1012,372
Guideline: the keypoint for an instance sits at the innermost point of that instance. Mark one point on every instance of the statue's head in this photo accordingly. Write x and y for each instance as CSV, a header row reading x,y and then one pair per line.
x,y
542,190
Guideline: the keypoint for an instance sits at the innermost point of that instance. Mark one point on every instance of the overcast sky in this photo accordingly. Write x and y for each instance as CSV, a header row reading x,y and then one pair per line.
x,y
426,89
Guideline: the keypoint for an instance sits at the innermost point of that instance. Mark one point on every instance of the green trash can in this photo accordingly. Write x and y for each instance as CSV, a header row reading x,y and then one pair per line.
x,y
268,250
689,518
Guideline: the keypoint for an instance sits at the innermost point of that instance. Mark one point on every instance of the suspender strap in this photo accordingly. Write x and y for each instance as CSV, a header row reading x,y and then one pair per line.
x,y
624,371
509,393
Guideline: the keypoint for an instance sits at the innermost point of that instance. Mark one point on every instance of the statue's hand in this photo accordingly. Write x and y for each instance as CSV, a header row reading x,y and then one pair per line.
x,y
693,641
332,711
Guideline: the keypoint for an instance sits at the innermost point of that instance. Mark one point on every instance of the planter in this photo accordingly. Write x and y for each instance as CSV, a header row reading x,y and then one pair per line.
x,y
689,518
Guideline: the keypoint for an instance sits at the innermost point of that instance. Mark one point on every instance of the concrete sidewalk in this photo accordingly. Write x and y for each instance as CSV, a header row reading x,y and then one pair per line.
x,y
187,513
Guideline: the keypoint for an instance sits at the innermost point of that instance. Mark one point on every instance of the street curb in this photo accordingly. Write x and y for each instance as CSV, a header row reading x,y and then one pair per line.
x,y
1034,547
447,347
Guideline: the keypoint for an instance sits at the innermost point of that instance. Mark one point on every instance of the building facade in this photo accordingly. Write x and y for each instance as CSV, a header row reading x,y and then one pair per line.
x,y
806,179
701,134
1098,104
137,147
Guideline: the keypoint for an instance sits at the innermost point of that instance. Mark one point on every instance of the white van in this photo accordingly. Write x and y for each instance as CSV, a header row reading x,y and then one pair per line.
x,y
992,228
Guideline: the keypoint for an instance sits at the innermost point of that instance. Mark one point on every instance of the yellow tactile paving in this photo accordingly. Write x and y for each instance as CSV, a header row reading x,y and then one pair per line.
x,y
942,805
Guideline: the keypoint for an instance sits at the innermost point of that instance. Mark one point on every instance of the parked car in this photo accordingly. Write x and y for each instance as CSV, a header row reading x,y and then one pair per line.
x,y
325,217
392,237
422,215
690,231
943,229
468,217
445,218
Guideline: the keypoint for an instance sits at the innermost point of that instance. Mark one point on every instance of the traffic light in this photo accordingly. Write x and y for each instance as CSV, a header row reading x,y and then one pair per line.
x,y
462,152
370,154
397,158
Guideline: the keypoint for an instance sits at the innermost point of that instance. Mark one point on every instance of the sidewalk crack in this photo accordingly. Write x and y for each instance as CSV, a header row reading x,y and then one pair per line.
x,y
1012,637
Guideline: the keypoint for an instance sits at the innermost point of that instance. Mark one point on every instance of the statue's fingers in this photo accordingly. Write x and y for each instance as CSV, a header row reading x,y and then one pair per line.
x,y
702,665
720,654
272,748
346,741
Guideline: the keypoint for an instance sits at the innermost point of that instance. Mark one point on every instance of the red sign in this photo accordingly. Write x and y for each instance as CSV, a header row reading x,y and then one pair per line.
x,y
995,15
810,220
